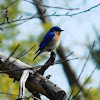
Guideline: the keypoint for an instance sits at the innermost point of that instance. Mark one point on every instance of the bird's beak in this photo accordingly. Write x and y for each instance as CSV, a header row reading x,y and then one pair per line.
x,y
62,30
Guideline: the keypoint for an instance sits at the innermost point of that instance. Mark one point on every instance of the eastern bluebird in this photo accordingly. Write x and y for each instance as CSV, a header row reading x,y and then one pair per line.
x,y
50,41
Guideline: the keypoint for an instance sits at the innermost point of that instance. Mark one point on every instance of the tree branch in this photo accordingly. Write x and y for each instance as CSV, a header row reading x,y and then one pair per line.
x,y
39,4
35,82
47,64
44,16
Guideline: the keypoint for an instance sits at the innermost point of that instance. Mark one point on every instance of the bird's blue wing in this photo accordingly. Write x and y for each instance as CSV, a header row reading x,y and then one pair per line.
x,y
48,37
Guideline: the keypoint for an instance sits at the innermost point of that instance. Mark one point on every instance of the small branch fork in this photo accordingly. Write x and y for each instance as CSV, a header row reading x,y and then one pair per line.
x,y
6,18
61,95
47,64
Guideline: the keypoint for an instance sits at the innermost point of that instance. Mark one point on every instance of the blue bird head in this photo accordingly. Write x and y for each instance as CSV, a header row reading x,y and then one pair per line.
x,y
56,29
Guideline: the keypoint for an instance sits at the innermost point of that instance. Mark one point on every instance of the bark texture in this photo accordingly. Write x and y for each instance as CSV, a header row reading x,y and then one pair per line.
x,y
35,82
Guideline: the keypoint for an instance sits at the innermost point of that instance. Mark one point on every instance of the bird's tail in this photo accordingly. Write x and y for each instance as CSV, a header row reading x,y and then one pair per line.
x,y
37,51
37,55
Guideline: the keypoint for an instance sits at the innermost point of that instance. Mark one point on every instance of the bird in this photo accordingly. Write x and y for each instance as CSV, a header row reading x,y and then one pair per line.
x,y
50,41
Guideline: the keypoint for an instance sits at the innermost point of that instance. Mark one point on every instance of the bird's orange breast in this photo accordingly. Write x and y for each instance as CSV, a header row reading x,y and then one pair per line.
x,y
57,36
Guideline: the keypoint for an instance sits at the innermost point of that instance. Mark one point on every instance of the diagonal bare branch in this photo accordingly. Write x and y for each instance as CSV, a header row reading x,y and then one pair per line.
x,y
75,96
82,69
24,53
11,55
51,15
51,6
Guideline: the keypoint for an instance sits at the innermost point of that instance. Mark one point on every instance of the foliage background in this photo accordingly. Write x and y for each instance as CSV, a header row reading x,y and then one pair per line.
x,y
80,32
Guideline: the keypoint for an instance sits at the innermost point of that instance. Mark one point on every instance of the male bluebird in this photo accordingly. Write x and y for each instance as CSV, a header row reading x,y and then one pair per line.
x,y
51,41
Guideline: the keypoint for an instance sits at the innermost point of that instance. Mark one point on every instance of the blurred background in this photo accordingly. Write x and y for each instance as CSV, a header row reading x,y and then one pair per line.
x,y
80,30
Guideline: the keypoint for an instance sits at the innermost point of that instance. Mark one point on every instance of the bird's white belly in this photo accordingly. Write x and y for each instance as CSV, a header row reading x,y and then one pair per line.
x,y
52,45
55,45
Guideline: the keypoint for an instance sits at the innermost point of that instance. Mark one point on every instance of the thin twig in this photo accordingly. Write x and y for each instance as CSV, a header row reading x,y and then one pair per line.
x,y
85,10
65,57
82,69
11,4
52,15
52,6
85,82
17,95
11,54
6,11
24,53
21,22
21,55
86,92
8,93
6,16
